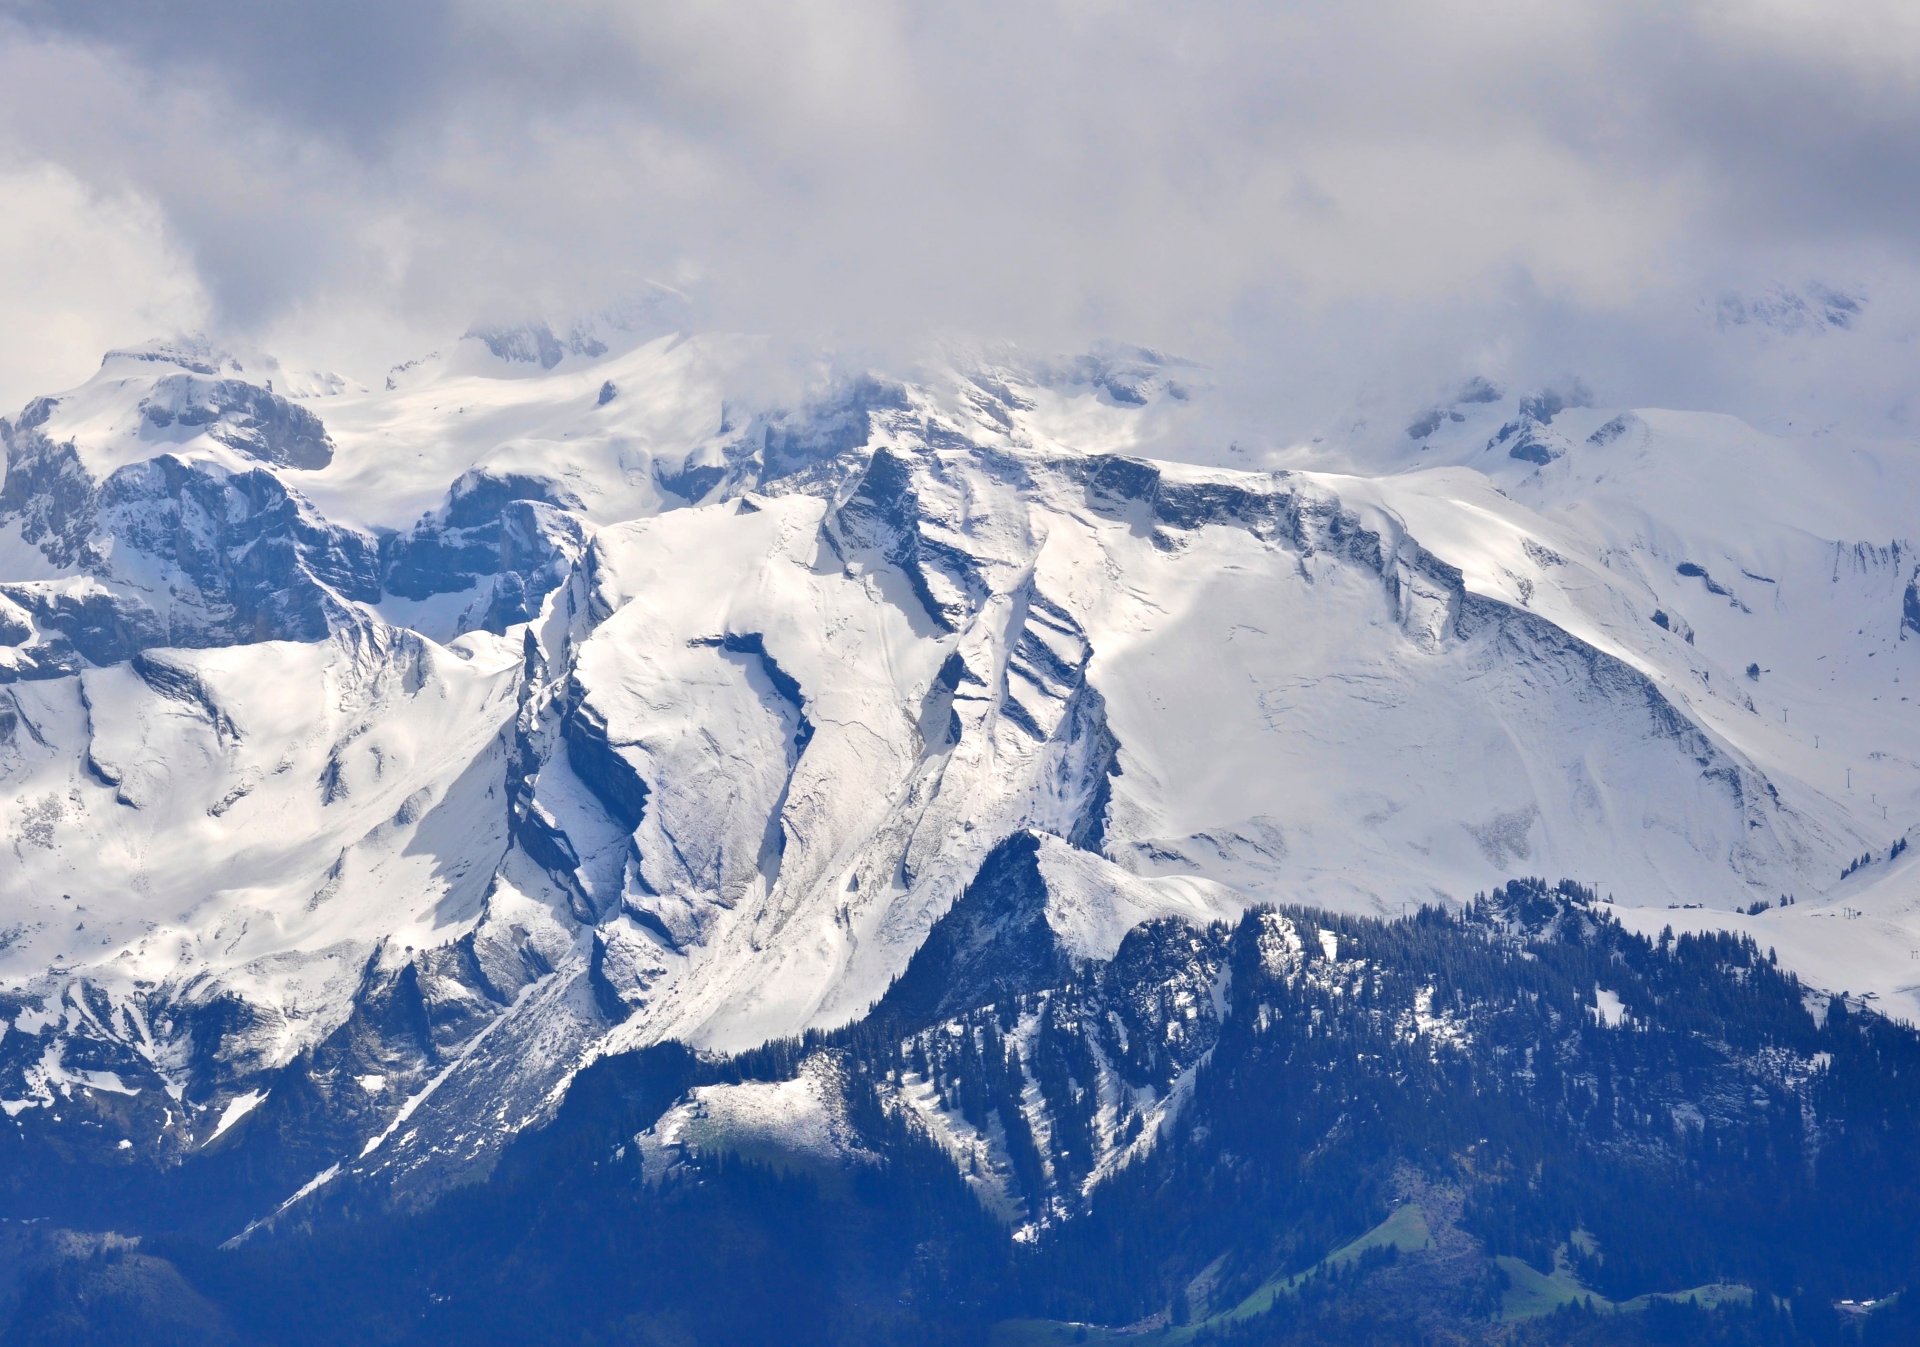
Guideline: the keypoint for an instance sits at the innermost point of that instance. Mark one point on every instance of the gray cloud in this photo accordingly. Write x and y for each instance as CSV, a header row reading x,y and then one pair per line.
x,y
1318,199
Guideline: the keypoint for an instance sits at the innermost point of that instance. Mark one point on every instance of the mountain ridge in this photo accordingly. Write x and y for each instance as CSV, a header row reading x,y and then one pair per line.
x,y
597,734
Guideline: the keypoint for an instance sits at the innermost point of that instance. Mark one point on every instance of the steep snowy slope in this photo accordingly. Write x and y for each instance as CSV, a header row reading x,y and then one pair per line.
x,y
371,759
1768,582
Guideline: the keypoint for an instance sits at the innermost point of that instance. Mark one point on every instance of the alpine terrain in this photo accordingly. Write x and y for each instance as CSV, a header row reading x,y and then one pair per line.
x,y
621,833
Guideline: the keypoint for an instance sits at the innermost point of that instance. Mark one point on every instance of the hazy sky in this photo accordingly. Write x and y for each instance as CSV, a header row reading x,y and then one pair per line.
x,y
1396,191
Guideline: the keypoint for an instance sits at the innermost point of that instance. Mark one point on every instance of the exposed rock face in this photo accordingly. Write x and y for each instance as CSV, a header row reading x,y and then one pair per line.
x,y
251,420
535,344
993,944
239,557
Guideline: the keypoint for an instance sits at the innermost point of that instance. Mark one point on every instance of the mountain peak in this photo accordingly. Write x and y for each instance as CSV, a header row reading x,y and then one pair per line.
x,y
191,353
543,342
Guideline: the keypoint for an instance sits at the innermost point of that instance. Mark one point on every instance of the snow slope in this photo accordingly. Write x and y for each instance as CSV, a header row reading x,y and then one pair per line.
x,y
574,692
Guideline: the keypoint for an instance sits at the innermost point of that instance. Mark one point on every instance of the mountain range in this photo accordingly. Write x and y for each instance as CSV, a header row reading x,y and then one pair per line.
x,y
644,788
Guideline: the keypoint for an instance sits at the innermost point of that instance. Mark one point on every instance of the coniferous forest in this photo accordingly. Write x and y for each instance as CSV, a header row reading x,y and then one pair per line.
x,y
1518,1123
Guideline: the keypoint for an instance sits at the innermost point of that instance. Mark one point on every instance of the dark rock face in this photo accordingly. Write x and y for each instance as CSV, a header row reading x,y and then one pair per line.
x,y
1113,481
690,481
509,532
252,561
1530,450
1692,570
883,517
600,766
245,417
1047,681
993,943
171,552
477,499
92,627
1526,441
1138,492
47,490
1613,429
243,539
1097,750
248,559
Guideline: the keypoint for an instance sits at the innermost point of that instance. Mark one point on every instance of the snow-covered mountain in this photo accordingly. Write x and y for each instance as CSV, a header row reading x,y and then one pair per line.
x,y
372,759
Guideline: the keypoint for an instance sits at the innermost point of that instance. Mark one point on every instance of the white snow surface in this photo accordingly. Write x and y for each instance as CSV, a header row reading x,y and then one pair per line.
x,y
237,1108
1440,668
789,1121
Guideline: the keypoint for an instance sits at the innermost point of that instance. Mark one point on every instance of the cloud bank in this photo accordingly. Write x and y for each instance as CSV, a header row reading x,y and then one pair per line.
x,y
1323,201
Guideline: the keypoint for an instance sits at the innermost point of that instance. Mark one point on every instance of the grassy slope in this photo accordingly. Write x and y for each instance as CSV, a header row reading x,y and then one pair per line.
x,y
1404,1229
1530,1293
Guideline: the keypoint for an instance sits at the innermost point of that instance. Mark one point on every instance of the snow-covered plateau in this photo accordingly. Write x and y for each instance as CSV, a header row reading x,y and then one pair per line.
x,y
372,759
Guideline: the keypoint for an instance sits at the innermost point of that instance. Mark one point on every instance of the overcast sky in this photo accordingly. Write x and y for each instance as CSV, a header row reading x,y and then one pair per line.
x,y
1393,191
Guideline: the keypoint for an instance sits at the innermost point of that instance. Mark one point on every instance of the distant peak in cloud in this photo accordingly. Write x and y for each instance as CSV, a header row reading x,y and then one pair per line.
x,y
1812,307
